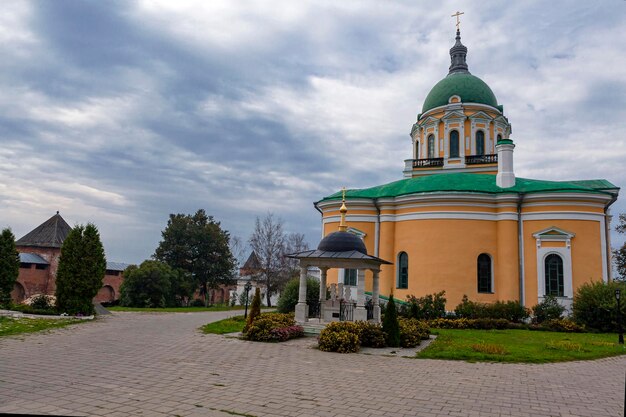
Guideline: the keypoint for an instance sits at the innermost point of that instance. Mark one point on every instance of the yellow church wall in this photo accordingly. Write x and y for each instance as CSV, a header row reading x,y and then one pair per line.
x,y
506,266
586,252
468,130
443,258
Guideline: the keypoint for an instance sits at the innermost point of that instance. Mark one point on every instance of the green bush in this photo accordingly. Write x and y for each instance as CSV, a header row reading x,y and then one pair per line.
x,y
273,327
342,337
289,296
41,302
197,303
412,332
562,325
428,307
148,285
508,310
595,306
26,309
370,335
548,309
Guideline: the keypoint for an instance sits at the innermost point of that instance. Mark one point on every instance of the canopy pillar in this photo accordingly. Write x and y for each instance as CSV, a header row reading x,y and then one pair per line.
x,y
375,295
302,308
323,274
360,313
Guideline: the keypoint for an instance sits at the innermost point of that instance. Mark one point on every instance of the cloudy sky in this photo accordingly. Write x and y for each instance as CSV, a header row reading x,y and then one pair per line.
x,y
121,112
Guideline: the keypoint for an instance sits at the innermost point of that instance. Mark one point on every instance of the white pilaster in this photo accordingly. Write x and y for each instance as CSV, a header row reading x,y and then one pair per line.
x,y
375,294
506,176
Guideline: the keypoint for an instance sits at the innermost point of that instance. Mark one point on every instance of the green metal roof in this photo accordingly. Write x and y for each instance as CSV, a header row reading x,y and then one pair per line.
x,y
470,88
473,183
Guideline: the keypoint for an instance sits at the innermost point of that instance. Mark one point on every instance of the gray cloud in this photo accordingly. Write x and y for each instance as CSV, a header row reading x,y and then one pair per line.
x,y
121,113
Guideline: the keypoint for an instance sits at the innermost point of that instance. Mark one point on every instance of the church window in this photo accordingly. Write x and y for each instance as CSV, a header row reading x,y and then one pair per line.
x,y
349,277
499,138
403,270
480,142
431,146
454,144
417,149
484,273
554,275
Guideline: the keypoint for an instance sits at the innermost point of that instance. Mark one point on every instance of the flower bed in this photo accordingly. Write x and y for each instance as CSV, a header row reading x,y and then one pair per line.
x,y
273,327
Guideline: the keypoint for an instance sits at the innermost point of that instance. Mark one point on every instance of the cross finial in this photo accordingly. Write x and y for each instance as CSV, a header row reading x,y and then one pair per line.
x,y
458,21
343,210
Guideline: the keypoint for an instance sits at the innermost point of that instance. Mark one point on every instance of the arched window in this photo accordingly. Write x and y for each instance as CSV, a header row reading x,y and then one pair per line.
x,y
431,146
417,149
454,144
484,273
480,142
554,275
499,138
403,270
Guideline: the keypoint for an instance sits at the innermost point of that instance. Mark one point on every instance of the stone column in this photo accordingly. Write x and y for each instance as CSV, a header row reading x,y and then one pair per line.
x,y
360,313
302,310
323,273
375,294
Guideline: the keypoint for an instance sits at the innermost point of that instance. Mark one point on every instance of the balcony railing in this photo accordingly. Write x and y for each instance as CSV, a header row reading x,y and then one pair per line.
x,y
481,159
429,162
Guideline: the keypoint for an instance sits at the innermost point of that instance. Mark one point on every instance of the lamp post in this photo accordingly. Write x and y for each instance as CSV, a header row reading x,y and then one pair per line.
x,y
247,287
619,317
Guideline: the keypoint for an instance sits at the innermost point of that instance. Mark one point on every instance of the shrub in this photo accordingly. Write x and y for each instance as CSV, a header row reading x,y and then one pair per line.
x,y
548,309
412,332
595,306
428,307
197,303
391,327
490,349
342,337
148,285
562,325
27,309
507,310
478,324
255,309
371,335
41,302
273,327
289,296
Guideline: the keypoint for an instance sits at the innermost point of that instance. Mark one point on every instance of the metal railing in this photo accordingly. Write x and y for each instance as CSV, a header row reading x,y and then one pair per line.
x,y
428,162
315,310
346,311
481,159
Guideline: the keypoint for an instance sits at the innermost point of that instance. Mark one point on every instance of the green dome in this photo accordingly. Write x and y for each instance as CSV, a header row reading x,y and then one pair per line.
x,y
470,88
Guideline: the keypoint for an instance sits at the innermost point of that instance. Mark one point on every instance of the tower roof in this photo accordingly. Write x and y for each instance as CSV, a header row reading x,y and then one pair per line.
x,y
459,82
252,263
49,234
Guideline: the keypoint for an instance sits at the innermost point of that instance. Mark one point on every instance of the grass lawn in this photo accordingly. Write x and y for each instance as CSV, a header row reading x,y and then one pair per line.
x,y
11,326
520,346
176,309
230,325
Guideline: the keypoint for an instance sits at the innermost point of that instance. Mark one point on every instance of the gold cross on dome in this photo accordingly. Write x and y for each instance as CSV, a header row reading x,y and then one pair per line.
x,y
458,21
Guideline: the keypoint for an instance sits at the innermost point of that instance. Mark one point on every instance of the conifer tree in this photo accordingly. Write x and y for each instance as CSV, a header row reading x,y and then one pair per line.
x,y
391,326
82,266
9,266
255,308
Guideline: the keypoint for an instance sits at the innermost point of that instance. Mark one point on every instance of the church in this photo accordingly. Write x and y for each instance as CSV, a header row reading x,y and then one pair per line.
x,y
460,221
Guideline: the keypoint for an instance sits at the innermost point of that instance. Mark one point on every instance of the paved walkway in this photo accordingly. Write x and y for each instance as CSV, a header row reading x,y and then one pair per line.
x,y
159,365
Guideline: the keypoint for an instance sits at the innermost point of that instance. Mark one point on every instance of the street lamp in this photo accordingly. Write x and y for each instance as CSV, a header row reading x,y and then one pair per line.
x,y
619,317
247,287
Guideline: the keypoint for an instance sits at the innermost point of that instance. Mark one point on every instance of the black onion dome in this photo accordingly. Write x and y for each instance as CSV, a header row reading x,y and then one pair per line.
x,y
342,242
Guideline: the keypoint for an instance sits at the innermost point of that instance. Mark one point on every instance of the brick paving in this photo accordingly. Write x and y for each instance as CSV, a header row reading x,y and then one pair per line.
x,y
160,365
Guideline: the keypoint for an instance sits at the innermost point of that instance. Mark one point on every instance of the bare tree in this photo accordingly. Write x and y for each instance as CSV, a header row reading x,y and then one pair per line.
x,y
239,249
271,245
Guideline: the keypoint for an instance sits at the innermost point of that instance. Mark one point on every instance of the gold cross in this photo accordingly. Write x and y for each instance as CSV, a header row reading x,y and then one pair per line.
x,y
458,21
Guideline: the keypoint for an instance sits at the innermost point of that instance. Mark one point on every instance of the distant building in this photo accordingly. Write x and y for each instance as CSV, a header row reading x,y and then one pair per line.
x,y
40,251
